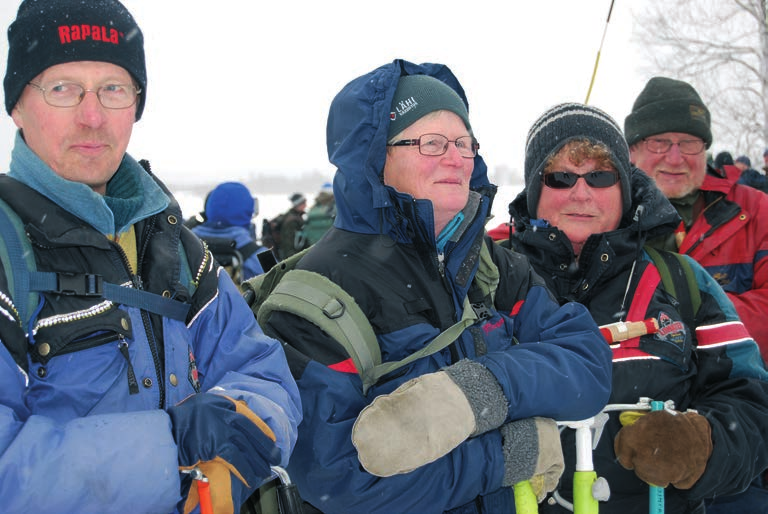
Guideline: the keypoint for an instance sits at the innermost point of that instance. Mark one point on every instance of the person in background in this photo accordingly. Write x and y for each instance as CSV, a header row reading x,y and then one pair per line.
x,y
291,241
765,161
457,427
750,176
142,364
196,219
582,220
320,216
723,159
668,131
229,212
723,223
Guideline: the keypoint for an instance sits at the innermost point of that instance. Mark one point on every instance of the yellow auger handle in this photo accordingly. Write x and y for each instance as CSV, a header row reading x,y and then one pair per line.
x,y
525,499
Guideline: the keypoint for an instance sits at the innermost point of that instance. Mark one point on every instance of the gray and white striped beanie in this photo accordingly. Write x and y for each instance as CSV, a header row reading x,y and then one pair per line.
x,y
563,123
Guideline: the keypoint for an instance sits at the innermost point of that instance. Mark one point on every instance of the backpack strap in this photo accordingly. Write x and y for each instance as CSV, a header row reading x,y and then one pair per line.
x,y
18,260
679,280
222,248
324,303
446,337
257,289
248,249
88,284
317,299
25,281
487,276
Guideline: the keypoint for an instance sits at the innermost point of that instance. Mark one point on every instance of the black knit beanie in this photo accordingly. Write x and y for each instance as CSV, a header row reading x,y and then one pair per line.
x,y
566,122
668,105
418,95
50,32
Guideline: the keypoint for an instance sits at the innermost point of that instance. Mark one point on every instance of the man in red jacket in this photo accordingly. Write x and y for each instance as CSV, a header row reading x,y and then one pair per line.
x,y
723,223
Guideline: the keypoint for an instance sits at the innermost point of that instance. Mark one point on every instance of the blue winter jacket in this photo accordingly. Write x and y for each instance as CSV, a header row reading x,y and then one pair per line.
x,y
83,427
550,361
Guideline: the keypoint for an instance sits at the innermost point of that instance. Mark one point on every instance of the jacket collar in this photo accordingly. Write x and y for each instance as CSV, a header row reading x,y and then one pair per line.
x,y
134,194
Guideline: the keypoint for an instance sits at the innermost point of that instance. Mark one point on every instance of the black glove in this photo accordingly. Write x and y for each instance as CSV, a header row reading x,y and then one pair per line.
x,y
222,437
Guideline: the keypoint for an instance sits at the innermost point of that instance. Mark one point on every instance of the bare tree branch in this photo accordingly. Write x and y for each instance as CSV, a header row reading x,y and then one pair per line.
x,y
721,48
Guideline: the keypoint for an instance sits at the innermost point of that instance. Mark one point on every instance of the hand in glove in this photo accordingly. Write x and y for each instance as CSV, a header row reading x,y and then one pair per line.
x,y
666,447
427,417
222,437
532,452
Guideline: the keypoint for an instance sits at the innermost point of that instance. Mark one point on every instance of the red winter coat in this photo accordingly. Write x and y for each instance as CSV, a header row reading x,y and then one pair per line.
x,y
730,239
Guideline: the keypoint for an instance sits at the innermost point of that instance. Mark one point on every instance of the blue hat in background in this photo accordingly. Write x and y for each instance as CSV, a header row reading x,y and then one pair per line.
x,y
230,203
744,160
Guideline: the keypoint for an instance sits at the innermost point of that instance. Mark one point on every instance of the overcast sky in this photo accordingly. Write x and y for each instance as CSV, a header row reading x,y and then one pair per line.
x,y
243,86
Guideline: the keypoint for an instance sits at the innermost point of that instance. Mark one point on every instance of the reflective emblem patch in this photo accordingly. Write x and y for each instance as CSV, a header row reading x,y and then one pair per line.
x,y
192,374
670,330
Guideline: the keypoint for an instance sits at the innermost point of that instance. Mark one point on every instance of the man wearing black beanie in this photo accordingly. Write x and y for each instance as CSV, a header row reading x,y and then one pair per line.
x,y
129,362
723,223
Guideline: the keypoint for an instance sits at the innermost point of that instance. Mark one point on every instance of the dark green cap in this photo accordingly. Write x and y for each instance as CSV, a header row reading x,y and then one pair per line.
x,y
418,95
668,105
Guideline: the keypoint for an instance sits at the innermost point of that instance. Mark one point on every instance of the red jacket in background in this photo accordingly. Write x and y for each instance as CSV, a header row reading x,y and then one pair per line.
x,y
730,239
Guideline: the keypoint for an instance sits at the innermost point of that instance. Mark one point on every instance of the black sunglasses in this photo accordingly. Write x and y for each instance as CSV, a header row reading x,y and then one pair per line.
x,y
568,179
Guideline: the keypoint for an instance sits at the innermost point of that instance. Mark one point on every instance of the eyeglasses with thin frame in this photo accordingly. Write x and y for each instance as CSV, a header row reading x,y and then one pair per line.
x,y
70,94
686,146
568,179
436,144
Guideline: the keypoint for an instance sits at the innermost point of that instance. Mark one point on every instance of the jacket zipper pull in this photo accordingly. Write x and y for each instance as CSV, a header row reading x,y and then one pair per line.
x,y
133,384
441,263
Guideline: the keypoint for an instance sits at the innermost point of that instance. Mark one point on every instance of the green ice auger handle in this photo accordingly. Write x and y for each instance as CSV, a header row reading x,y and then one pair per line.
x,y
525,500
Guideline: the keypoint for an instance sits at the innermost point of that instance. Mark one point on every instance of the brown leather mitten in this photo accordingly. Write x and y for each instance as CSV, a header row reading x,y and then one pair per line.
x,y
666,447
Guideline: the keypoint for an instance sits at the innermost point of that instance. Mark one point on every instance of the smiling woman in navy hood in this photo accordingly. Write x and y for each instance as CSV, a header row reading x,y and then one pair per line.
x,y
409,246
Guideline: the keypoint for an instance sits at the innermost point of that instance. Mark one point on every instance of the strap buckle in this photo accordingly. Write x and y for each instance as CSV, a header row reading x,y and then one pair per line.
x,y
78,284
482,311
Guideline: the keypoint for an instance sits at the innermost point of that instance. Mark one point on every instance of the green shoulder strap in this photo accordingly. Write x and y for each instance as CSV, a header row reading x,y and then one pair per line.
x,y
319,300
256,289
487,276
683,287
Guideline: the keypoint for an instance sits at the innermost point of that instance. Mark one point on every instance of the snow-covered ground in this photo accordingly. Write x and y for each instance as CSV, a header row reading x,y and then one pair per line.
x,y
270,205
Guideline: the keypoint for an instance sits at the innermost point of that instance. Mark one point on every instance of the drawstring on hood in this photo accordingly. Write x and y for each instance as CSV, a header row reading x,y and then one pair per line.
x,y
638,252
